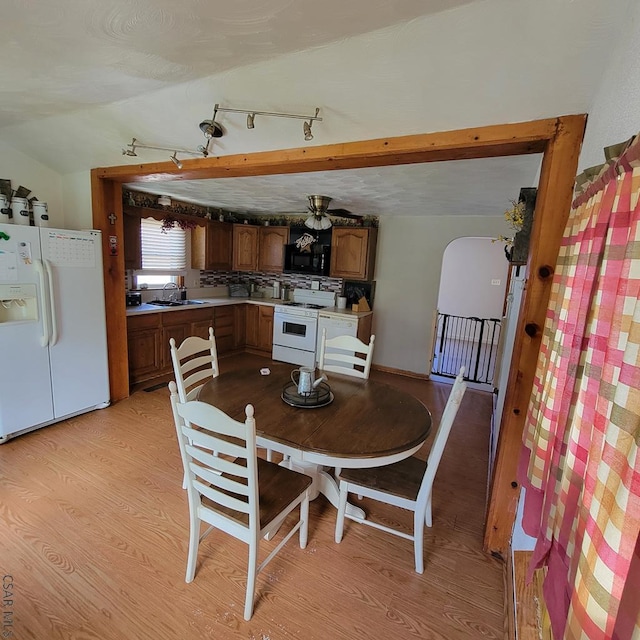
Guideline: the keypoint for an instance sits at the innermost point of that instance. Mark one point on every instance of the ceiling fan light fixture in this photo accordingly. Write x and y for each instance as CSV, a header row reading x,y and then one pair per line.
x,y
325,223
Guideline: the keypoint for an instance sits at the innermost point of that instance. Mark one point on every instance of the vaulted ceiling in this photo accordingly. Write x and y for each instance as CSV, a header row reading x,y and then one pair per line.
x,y
81,78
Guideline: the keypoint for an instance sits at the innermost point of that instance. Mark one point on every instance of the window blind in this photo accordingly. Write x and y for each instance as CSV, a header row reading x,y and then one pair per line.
x,y
162,250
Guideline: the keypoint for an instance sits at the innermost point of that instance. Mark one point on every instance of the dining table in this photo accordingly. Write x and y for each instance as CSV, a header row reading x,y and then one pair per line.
x,y
355,423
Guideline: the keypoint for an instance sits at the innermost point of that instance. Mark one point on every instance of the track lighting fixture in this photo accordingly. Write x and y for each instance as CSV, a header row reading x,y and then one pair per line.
x,y
208,126
212,129
131,151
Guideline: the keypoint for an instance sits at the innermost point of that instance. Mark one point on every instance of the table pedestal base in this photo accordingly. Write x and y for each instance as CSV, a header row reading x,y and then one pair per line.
x,y
324,483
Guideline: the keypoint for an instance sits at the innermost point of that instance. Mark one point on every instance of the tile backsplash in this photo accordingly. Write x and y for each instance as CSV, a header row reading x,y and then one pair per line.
x,y
265,279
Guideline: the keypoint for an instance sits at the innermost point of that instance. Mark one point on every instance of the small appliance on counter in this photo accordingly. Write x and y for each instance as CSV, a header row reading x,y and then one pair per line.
x,y
134,298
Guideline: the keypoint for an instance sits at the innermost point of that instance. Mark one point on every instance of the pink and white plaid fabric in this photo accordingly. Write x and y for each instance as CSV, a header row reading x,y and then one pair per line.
x,y
580,462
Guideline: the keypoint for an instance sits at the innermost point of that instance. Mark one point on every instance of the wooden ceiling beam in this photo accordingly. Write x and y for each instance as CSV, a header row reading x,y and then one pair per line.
x,y
482,142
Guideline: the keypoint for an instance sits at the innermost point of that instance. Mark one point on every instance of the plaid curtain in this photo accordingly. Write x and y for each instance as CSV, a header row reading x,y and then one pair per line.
x,y
580,463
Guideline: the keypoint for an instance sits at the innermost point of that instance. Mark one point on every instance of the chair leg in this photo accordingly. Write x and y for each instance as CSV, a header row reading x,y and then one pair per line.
x,y
342,507
251,579
304,517
427,516
194,538
418,541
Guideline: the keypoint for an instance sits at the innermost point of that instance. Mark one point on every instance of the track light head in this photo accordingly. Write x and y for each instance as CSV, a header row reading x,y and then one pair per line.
x,y
129,152
250,120
306,127
211,129
175,160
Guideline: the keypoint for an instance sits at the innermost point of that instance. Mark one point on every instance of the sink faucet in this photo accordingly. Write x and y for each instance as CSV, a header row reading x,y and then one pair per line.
x,y
170,291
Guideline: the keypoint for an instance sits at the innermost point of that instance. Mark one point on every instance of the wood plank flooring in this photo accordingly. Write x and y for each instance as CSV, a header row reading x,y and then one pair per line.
x,y
95,525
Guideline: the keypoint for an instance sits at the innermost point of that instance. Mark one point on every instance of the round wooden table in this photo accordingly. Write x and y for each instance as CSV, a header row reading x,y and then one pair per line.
x,y
368,423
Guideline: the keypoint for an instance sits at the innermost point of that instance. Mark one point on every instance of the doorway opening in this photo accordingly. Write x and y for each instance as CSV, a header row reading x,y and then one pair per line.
x,y
470,307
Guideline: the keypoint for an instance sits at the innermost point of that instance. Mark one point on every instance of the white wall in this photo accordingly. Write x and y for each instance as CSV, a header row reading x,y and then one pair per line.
x,y
45,184
615,116
408,266
76,191
469,267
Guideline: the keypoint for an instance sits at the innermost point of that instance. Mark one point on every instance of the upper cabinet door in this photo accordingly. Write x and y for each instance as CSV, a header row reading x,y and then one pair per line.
x,y
353,252
271,253
245,247
211,247
132,242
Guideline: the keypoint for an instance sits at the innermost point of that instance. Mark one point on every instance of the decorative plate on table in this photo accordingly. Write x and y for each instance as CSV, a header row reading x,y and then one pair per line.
x,y
321,396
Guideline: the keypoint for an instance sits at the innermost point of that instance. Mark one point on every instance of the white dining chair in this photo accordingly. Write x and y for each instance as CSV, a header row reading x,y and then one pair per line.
x,y
240,494
407,484
194,361
346,354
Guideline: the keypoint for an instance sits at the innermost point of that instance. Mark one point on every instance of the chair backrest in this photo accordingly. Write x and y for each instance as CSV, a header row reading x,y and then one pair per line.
x,y
442,435
346,354
228,483
195,360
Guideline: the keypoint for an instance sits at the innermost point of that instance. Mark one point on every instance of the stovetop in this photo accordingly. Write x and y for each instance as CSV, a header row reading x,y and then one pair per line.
x,y
303,305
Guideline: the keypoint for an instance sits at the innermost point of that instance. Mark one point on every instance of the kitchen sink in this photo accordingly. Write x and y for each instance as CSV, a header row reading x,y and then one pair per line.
x,y
174,303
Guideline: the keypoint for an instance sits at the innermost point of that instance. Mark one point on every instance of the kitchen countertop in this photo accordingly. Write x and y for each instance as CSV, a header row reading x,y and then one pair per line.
x,y
203,303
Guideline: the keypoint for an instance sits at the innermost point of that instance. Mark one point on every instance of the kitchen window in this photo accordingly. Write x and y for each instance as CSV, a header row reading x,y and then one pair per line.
x,y
163,254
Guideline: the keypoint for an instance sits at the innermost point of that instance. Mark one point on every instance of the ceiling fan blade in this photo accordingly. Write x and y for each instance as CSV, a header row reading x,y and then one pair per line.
x,y
344,213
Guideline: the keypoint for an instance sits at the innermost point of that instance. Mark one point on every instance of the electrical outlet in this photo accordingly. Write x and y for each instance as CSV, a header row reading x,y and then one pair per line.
x,y
495,283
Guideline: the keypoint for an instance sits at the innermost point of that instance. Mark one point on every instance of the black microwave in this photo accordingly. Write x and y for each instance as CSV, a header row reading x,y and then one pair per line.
x,y
314,260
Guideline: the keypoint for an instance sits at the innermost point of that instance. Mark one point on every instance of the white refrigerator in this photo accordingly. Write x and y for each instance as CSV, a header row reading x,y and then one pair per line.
x,y
53,342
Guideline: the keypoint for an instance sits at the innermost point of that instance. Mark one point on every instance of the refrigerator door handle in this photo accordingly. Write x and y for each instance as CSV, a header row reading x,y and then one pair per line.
x,y
53,339
44,306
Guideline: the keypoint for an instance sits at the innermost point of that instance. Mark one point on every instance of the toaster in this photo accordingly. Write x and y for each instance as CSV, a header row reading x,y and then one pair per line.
x,y
134,299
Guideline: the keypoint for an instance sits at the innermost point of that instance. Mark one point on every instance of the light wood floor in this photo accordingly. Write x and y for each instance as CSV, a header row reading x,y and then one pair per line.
x,y
94,535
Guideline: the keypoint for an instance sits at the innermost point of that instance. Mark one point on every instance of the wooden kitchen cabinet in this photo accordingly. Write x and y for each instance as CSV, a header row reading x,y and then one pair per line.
x,y
144,335
271,242
239,326
148,338
259,328
353,252
265,329
245,247
132,241
212,246
223,327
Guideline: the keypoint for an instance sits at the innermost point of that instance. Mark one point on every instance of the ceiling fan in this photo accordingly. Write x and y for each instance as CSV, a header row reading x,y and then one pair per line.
x,y
320,212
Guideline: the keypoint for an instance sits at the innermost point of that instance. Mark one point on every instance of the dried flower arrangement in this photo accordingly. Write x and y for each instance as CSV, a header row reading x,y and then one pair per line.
x,y
169,222
515,218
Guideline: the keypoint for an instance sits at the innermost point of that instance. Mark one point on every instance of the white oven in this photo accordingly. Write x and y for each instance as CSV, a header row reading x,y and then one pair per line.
x,y
295,326
294,335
